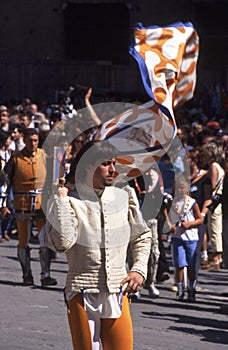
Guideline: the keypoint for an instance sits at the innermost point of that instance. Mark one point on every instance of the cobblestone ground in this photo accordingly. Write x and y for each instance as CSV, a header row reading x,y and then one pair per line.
x,y
34,318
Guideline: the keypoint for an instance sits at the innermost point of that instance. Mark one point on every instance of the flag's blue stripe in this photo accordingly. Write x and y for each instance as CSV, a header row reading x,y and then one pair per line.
x,y
143,71
175,25
144,150
124,126
127,126
146,79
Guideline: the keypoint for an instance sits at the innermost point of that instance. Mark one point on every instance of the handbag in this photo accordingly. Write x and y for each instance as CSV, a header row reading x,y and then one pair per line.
x,y
217,197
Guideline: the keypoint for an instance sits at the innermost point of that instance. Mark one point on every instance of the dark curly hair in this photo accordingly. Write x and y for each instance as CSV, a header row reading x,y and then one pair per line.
x,y
92,153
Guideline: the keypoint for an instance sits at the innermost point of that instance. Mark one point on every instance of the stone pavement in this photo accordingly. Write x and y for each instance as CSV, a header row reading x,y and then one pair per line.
x,y
34,318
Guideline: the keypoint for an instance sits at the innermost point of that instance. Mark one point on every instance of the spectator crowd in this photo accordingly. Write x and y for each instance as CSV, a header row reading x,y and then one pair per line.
x,y
201,156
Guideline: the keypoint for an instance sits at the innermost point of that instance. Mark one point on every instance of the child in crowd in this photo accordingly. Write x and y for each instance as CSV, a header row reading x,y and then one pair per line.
x,y
183,220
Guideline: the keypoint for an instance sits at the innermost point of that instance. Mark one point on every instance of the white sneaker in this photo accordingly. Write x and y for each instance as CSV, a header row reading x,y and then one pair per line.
x,y
138,295
153,291
134,296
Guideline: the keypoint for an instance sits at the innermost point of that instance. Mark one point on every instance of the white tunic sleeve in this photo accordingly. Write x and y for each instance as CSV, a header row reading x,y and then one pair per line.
x,y
62,223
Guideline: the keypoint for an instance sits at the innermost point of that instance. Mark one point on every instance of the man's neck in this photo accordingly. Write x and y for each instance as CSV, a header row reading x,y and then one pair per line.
x,y
30,153
99,191
93,187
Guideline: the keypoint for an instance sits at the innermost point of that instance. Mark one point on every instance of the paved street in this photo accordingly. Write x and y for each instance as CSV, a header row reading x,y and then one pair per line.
x,y
34,318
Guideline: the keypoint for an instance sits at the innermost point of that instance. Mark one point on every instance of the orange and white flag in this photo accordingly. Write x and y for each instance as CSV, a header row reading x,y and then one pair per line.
x,y
167,59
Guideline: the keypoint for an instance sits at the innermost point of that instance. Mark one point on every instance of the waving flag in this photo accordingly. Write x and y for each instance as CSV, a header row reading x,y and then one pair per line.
x,y
141,135
167,58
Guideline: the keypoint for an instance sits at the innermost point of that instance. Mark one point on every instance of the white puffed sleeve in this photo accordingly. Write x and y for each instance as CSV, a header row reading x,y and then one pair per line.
x,y
61,224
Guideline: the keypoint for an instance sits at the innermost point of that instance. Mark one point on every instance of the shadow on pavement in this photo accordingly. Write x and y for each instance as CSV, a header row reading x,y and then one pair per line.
x,y
208,335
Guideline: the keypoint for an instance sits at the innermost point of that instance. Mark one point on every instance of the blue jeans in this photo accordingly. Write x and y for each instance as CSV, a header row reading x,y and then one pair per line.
x,y
184,253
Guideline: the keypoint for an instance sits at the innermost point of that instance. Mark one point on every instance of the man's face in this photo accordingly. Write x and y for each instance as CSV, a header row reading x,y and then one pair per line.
x,y
104,174
15,134
25,122
33,108
31,143
4,117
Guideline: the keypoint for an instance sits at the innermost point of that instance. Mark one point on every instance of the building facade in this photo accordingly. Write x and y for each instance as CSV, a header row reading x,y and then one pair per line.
x,y
48,45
